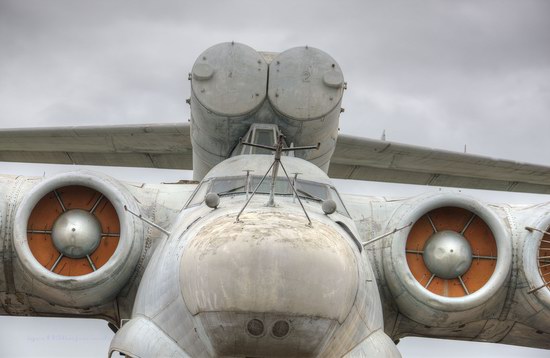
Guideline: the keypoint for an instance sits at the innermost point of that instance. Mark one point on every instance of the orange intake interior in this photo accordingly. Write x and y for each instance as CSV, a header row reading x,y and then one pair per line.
x,y
49,208
478,235
544,258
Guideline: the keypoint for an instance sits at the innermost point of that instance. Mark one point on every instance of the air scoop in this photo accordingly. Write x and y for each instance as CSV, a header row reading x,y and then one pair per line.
x,y
269,284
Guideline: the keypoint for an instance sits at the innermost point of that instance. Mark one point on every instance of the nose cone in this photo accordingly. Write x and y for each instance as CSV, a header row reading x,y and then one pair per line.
x,y
269,271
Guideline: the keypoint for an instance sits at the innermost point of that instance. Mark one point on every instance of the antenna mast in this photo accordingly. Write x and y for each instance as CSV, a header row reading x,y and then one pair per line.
x,y
274,168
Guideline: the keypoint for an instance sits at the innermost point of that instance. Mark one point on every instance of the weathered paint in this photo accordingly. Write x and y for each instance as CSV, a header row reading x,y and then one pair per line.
x,y
303,97
218,286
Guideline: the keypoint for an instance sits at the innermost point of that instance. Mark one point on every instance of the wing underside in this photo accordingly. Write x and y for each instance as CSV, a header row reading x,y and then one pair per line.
x,y
168,146
376,160
165,146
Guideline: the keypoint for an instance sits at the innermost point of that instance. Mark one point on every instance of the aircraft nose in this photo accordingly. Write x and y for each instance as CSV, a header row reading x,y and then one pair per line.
x,y
266,279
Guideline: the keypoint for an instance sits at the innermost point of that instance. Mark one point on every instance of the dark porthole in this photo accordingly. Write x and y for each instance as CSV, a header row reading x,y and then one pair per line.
x,y
255,327
280,329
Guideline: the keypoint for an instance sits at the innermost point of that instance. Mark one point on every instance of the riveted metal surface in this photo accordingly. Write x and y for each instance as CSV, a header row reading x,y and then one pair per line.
x,y
544,259
229,89
230,79
151,342
305,83
223,332
378,344
536,260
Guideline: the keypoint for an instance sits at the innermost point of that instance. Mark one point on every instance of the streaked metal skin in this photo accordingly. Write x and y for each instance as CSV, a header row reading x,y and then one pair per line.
x,y
270,284
99,286
512,306
510,316
447,254
270,266
230,91
258,255
76,233
533,308
156,344
34,291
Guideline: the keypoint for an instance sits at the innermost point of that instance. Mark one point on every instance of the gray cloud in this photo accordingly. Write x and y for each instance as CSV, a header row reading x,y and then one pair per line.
x,y
437,73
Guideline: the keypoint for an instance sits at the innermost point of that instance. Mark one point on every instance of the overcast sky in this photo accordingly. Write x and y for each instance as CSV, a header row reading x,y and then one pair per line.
x,y
434,73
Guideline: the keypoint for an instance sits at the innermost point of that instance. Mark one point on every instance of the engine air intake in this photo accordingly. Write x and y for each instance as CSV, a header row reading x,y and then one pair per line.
x,y
536,260
451,252
74,238
453,263
544,259
73,230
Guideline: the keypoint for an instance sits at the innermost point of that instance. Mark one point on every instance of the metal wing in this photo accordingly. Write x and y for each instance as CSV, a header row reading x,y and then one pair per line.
x,y
169,146
150,145
370,159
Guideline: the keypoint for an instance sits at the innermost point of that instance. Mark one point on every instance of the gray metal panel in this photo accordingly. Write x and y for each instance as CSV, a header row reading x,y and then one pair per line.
x,y
305,83
230,79
150,145
370,159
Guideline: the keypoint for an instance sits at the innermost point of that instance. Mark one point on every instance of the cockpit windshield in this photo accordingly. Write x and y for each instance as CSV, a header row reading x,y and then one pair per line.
x,y
306,189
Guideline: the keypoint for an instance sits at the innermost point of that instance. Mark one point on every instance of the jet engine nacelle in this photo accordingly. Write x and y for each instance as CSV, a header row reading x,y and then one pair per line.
x,y
232,86
75,241
533,293
536,259
451,266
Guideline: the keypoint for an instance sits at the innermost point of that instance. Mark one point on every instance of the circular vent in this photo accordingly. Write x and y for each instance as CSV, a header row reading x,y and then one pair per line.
x,y
73,230
452,264
451,252
75,240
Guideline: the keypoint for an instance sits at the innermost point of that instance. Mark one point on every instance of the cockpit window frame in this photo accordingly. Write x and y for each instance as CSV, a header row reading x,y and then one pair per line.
x,y
208,184
339,202
203,184
227,178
